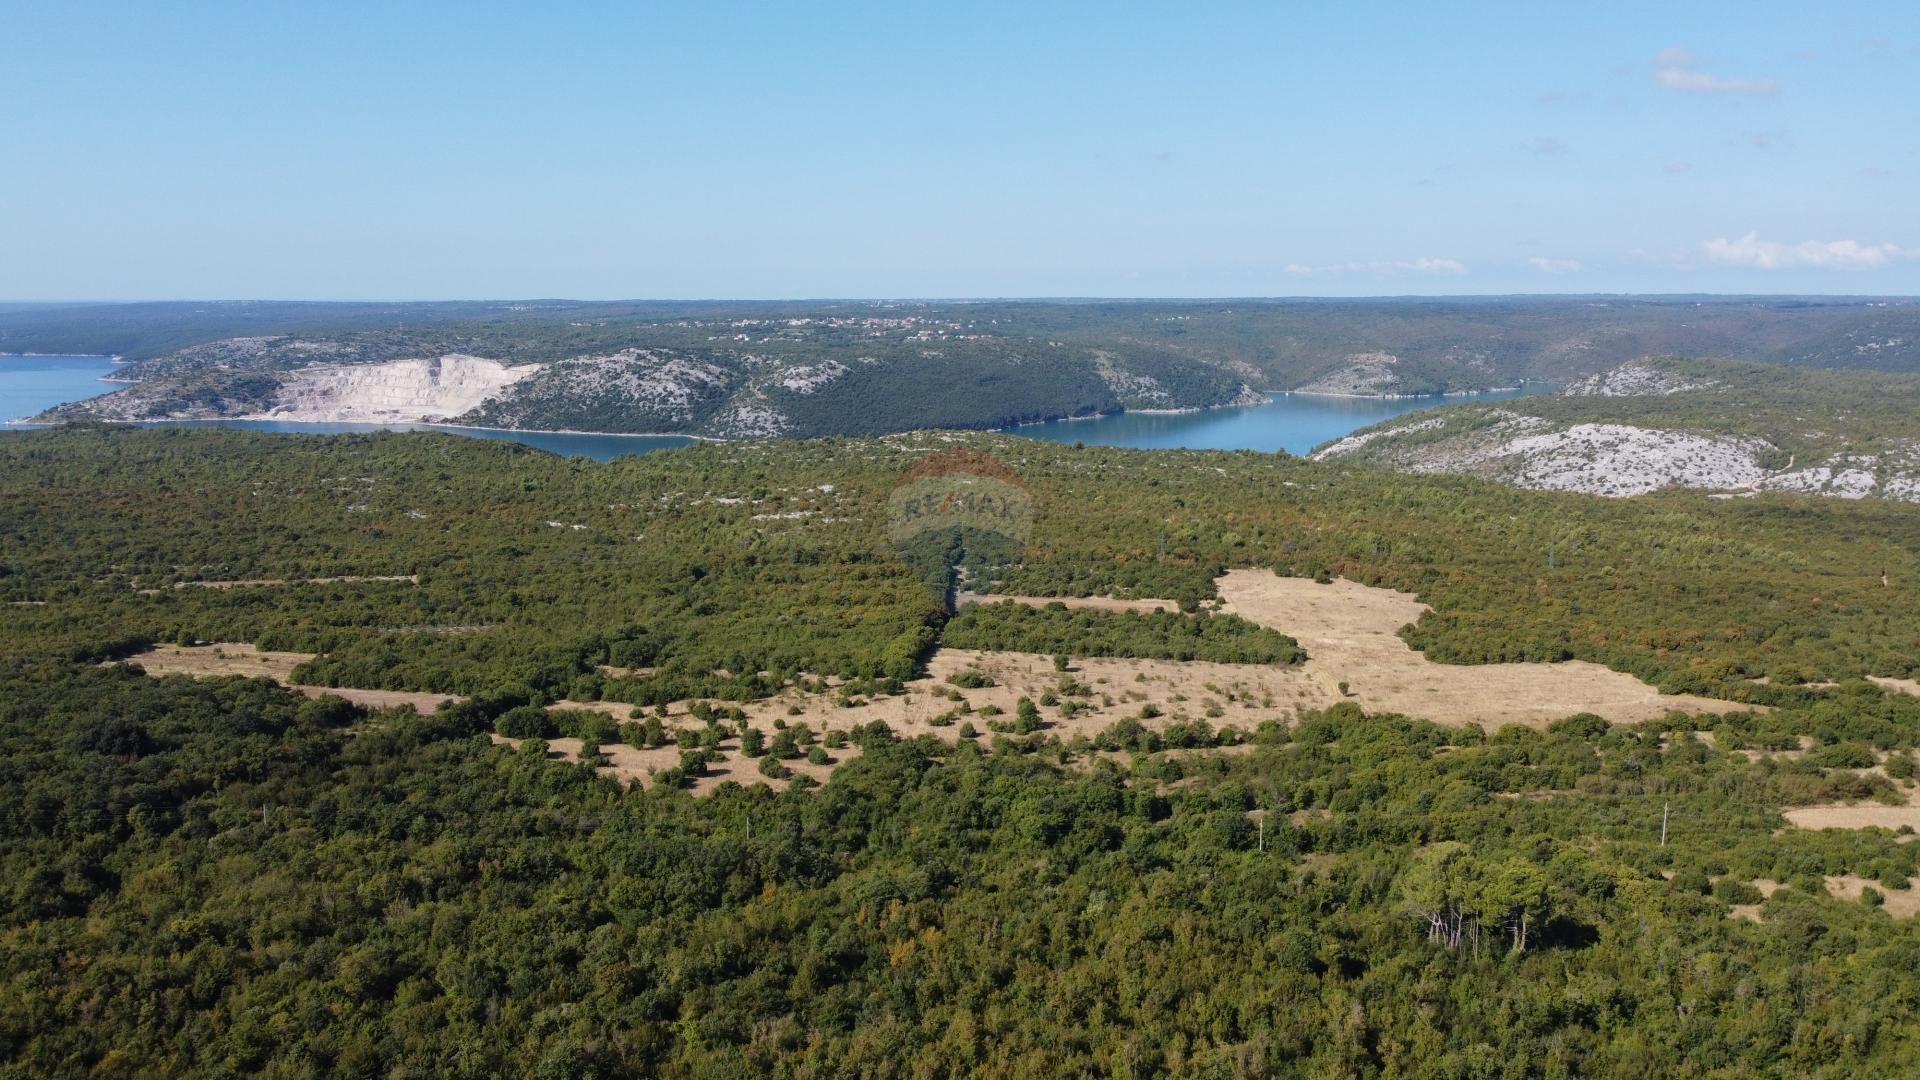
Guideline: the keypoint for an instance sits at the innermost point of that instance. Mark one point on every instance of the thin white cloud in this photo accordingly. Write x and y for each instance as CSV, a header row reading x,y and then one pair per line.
x,y
1544,146
1389,266
1751,251
1554,266
1679,70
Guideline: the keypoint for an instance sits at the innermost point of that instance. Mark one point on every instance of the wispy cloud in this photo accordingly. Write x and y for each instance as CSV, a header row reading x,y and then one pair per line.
x,y
1544,146
1554,266
1679,70
1391,266
1751,251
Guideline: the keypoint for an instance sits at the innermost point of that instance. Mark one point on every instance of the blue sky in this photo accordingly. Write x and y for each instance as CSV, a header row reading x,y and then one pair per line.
x,y
425,150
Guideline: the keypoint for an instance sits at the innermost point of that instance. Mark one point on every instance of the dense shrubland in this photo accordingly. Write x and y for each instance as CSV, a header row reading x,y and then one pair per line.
x,y
732,559
224,878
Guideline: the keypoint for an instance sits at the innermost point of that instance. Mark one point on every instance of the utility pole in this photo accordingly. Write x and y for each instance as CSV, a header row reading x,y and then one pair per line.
x,y
1664,808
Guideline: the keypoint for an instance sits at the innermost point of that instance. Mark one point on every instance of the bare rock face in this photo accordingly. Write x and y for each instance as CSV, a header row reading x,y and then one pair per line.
x,y
1369,374
1527,451
1633,379
1618,459
634,390
397,391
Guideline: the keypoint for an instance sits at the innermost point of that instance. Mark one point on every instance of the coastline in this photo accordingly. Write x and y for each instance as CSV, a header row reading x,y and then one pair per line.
x,y
387,425
1403,397
1265,398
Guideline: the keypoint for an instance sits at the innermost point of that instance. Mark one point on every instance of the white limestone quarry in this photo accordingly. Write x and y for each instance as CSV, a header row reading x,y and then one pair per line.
x,y
397,391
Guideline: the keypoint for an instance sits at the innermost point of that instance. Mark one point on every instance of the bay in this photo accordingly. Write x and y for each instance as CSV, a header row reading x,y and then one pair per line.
x,y
1295,423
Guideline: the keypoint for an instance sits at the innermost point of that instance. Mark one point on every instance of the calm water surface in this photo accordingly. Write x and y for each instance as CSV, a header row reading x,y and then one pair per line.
x,y
1292,422
1295,423
30,384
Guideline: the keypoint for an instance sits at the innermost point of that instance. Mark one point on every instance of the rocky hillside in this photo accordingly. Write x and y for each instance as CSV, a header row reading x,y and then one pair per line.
x,y
1732,428
737,379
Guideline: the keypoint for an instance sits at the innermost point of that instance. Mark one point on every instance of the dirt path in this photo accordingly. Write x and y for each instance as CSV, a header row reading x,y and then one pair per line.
x,y
1350,631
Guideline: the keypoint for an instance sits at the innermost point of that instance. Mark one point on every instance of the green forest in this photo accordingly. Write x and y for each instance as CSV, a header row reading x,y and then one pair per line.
x,y
222,877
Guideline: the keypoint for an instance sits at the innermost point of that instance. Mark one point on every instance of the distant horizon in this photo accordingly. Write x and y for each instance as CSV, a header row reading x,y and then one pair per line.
x,y
958,299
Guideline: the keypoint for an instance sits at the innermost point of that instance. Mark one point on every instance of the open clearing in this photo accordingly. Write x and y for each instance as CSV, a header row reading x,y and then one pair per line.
x,y
1350,632
1864,815
1901,903
1243,694
1097,603
232,659
1898,903
1904,686
633,765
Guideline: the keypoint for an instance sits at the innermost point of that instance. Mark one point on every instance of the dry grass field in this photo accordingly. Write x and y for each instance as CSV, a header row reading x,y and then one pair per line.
x,y
633,765
1097,603
1350,632
1865,815
231,659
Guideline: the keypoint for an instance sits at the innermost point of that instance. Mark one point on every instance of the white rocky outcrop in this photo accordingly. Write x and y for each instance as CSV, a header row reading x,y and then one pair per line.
x,y
806,378
1361,438
397,391
1635,378
1619,459
1600,459
1368,374
1845,476
750,419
